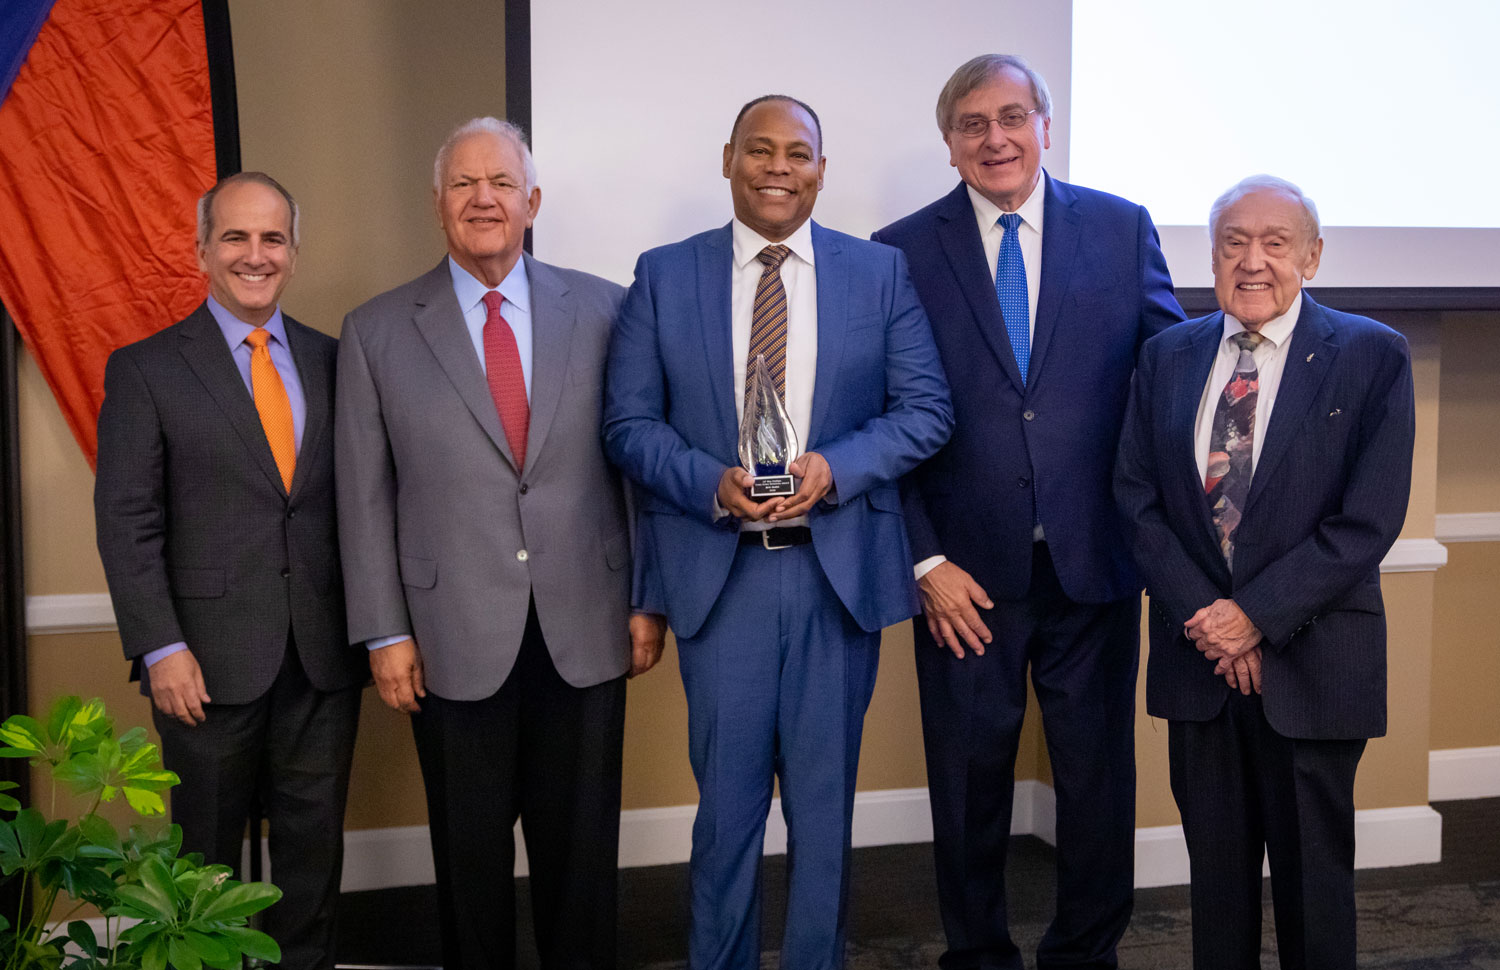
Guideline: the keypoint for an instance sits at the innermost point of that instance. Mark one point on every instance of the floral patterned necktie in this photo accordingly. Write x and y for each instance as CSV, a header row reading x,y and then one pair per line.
x,y
1231,445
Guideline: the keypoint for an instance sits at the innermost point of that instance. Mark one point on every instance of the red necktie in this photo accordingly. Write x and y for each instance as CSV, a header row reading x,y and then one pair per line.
x,y
502,367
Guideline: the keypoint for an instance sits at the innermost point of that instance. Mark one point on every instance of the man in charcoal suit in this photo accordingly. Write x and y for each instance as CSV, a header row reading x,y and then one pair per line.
x,y
215,515
1265,468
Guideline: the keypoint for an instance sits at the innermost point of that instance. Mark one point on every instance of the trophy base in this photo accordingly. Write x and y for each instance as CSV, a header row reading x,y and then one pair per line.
x,y
772,486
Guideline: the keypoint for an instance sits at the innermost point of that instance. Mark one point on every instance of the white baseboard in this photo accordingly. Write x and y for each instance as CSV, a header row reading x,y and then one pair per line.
x,y
1468,527
381,858
1463,773
1383,837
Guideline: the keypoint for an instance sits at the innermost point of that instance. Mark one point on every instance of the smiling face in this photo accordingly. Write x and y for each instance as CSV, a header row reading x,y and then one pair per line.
x,y
484,207
249,257
1263,250
1002,165
775,168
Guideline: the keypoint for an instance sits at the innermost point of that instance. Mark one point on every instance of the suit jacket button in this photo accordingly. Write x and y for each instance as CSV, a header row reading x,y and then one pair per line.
x,y
1023,482
286,573
522,555
1028,414
524,487
291,513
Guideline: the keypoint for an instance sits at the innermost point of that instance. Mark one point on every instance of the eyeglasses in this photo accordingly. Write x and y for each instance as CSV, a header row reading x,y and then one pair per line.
x,y
978,127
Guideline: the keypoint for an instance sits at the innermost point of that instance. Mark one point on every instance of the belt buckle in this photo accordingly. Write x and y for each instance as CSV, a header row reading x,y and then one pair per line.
x,y
765,540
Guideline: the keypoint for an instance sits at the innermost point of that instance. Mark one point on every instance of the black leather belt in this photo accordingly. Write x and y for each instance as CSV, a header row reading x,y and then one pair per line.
x,y
778,538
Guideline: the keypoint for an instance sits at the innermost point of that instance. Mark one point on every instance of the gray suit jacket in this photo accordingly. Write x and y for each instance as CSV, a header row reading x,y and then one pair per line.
x,y
200,540
441,537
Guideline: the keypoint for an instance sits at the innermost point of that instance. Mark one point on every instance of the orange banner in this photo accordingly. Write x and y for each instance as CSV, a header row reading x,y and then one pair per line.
x,y
106,142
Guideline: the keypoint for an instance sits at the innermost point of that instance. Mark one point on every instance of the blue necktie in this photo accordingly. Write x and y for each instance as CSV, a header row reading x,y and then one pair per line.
x,y
1010,287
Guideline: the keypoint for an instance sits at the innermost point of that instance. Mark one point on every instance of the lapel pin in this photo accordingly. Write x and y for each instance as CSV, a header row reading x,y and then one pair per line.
x,y
1309,358
1335,411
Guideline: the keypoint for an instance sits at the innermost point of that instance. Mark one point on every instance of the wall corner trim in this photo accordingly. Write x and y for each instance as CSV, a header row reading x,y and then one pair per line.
x,y
1415,556
1468,527
70,613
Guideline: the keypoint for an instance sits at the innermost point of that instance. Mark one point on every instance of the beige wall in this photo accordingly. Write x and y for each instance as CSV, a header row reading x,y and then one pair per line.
x,y
1466,624
351,124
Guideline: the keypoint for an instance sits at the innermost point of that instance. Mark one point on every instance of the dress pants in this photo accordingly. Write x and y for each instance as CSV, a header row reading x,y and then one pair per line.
x,y
292,745
545,751
1246,792
1083,660
778,681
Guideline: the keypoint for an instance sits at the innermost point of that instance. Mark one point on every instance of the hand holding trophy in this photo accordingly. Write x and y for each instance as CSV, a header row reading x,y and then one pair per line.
x,y
768,442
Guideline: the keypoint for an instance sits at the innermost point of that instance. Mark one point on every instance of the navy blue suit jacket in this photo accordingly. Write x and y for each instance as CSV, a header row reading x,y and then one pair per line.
x,y
880,406
1327,500
1046,448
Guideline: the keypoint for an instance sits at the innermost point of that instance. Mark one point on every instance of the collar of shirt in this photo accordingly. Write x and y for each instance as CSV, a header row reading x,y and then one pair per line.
x,y
236,330
1277,331
748,243
515,288
988,214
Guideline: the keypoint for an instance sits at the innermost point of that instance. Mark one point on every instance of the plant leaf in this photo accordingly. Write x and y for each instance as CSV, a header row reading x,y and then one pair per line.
x,y
22,736
82,934
182,956
252,943
241,900
209,950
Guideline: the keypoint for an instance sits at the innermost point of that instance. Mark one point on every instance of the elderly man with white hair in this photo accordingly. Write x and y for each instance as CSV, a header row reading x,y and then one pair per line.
x,y
1265,467
486,556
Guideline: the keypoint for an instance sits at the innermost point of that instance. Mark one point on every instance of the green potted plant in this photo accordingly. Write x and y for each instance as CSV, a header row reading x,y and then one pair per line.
x,y
161,909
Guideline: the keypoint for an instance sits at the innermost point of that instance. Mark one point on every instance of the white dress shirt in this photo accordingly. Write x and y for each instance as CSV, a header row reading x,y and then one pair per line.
x,y
800,279
1270,361
1029,235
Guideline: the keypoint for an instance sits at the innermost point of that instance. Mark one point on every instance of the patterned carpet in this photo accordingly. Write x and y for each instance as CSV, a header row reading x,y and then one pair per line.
x,y
1433,928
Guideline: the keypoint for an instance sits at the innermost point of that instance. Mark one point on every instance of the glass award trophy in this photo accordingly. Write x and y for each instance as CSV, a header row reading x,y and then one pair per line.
x,y
768,442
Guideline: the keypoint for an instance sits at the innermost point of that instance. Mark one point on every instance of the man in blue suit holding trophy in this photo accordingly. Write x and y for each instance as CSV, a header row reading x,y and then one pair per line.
x,y
777,604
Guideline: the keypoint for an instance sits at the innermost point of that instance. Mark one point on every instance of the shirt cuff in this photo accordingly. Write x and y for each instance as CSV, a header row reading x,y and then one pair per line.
x,y
161,653
927,565
379,642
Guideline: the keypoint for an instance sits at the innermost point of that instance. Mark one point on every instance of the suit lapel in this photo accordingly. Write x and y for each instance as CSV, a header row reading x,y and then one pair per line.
x,y
553,315
441,323
715,258
832,271
1307,363
311,371
1191,366
1060,234
958,233
209,357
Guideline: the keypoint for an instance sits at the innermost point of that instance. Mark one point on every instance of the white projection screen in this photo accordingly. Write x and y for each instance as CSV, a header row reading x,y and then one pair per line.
x,y
1387,114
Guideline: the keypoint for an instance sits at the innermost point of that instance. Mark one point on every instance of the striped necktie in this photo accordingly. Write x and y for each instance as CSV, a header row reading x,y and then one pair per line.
x,y
768,320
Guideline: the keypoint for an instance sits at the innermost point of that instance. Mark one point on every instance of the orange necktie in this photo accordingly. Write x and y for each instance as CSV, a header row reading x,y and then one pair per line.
x,y
271,401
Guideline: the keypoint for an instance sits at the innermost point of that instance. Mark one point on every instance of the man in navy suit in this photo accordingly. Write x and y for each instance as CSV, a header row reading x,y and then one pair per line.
x,y
778,604
1265,468
1040,293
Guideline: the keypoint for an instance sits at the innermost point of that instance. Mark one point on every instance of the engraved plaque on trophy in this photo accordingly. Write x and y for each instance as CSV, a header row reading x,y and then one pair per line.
x,y
768,442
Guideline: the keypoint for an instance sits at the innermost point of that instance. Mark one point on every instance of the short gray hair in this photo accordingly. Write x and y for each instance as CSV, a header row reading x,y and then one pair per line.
x,y
484,126
1255,183
980,70
206,204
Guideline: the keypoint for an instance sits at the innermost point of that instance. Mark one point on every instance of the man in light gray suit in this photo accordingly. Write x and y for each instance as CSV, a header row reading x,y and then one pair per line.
x,y
486,548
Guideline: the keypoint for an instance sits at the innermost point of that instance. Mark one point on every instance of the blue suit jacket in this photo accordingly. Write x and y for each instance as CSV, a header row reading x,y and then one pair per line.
x,y
1327,500
1047,447
880,406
